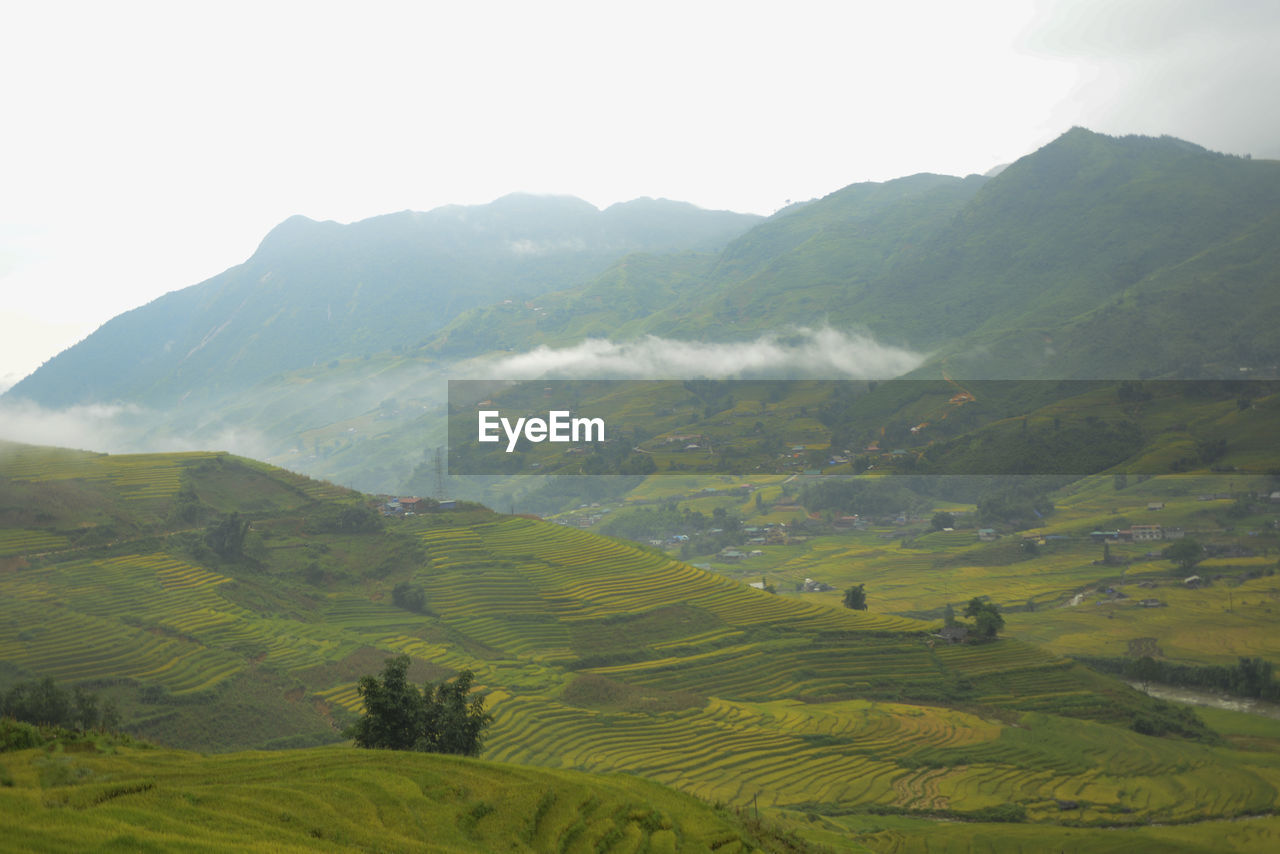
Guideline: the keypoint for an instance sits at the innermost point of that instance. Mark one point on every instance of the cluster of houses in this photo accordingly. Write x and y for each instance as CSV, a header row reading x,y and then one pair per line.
x,y
732,555
686,441
412,505
1138,534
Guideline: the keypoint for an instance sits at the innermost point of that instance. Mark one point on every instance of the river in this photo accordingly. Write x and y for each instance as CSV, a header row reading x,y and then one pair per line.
x,y
1209,698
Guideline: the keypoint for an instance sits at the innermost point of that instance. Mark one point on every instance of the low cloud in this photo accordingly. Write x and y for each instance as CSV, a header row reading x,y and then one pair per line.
x,y
526,247
115,429
798,354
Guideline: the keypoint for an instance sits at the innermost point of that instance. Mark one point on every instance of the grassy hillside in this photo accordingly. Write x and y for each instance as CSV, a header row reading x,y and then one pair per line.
x,y
594,655
82,796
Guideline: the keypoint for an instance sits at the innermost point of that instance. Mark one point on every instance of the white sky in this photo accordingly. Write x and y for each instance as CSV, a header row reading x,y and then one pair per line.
x,y
149,146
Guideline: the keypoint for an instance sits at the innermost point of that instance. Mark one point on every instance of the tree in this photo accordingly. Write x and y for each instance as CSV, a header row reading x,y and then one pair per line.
x,y
856,598
948,616
942,519
1145,670
986,617
226,536
1186,553
411,597
440,718
186,505
44,702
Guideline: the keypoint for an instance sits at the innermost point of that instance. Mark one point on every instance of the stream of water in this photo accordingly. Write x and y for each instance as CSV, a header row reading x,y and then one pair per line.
x,y
1208,698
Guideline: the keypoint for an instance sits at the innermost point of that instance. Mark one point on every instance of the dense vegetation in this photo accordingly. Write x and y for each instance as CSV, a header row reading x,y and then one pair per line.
x,y
439,718
1249,677
46,703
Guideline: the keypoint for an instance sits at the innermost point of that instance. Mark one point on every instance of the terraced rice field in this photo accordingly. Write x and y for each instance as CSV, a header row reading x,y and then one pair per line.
x,y
20,542
527,600
603,656
136,476
1212,625
341,800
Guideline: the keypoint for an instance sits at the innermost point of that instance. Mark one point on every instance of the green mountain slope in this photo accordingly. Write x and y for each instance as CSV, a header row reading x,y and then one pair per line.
x,y
1046,270
796,267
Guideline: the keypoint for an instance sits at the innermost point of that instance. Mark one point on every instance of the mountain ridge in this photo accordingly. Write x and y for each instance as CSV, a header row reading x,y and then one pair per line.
x,y
318,290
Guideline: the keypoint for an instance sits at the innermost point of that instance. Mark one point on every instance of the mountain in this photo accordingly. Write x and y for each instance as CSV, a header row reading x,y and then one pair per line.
x,y
317,291
797,267
1093,256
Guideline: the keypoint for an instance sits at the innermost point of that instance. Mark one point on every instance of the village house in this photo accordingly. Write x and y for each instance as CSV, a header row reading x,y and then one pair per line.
x,y
1143,533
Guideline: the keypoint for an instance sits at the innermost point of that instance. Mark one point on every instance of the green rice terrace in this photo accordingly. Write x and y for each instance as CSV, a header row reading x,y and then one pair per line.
x,y
854,730
102,796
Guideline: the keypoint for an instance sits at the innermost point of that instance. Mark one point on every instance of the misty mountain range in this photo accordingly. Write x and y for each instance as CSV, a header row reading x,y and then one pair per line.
x,y
1091,257
315,291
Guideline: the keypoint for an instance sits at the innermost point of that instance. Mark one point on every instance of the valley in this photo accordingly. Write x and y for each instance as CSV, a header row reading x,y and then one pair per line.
x,y
601,656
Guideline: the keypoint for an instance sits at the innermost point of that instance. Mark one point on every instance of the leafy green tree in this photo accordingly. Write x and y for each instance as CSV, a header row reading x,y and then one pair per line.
x,y
856,597
226,536
357,519
948,616
411,597
1146,670
186,506
638,464
941,520
1186,553
986,618
44,702
453,721
440,718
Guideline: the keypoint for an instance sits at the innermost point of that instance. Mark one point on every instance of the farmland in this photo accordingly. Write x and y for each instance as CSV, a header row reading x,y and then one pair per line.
x,y
127,798
852,727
